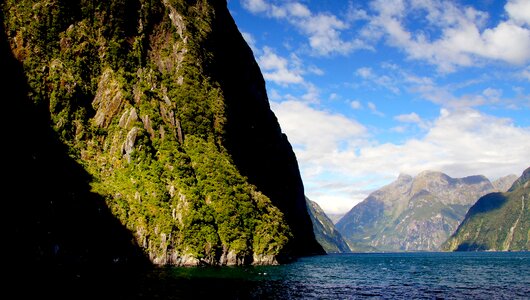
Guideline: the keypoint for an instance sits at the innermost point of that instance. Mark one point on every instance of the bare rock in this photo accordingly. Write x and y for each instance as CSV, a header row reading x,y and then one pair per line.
x,y
128,145
109,99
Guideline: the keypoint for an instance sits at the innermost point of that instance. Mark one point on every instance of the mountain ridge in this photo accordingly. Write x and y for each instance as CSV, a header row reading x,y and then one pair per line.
x,y
413,213
497,221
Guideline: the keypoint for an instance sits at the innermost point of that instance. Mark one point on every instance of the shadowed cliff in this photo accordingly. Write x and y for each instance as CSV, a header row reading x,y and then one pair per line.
x,y
57,226
253,135
146,128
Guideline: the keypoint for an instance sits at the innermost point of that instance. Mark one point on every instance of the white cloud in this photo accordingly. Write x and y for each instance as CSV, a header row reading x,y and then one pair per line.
x,y
323,30
356,104
255,6
519,11
365,72
413,118
278,69
339,162
409,118
444,96
462,40
317,130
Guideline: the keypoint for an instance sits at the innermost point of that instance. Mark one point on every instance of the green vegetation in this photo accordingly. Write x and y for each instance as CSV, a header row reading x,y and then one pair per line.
x,y
124,87
498,221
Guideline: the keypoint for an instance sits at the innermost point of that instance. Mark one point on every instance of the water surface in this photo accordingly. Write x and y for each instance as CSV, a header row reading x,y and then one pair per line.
x,y
463,275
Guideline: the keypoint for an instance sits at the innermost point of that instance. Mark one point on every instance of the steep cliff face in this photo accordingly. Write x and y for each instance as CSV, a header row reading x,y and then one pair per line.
x,y
163,106
325,232
413,214
53,218
497,221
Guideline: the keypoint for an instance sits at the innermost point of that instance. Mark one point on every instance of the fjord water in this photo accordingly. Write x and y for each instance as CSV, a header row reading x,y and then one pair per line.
x,y
457,275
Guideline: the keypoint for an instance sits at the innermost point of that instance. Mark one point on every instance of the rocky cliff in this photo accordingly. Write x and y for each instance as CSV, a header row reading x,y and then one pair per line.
x,y
413,214
160,117
497,221
325,232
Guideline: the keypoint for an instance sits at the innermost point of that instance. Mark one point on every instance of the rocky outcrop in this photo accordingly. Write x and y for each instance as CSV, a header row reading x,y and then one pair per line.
x,y
413,214
109,99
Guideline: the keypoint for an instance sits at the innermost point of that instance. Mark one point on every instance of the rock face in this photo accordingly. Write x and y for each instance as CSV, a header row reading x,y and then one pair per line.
x,y
498,221
413,214
325,232
162,107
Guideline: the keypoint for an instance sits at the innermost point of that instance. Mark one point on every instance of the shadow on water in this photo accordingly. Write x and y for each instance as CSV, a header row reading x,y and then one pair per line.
x,y
61,238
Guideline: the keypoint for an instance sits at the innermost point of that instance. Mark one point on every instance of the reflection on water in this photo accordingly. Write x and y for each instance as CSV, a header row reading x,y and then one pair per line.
x,y
349,276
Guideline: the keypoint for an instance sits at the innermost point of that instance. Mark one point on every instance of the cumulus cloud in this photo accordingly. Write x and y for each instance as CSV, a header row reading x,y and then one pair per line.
x,y
317,130
519,11
278,69
463,40
323,30
339,159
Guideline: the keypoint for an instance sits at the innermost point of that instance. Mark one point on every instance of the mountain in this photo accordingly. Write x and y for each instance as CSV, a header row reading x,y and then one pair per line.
x,y
141,130
498,221
325,232
412,214
503,184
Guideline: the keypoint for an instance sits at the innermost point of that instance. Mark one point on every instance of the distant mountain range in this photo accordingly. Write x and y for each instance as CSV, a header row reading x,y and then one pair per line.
x,y
325,232
414,214
497,221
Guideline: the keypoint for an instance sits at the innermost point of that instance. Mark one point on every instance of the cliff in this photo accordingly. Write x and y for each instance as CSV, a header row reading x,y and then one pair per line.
x,y
325,232
153,114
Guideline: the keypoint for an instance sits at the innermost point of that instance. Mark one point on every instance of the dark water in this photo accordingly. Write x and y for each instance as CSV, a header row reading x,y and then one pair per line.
x,y
472,275
352,276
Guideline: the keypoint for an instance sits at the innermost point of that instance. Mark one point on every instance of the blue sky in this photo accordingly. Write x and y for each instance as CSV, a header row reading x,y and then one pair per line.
x,y
366,90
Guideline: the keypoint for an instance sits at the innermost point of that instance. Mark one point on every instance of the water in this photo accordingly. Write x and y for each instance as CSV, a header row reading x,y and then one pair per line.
x,y
463,275
484,275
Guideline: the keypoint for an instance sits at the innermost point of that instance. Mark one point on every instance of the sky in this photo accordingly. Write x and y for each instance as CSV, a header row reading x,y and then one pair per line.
x,y
366,90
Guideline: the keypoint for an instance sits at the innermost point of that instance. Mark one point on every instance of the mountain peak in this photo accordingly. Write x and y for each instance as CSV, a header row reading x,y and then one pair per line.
x,y
503,184
431,174
413,213
404,177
